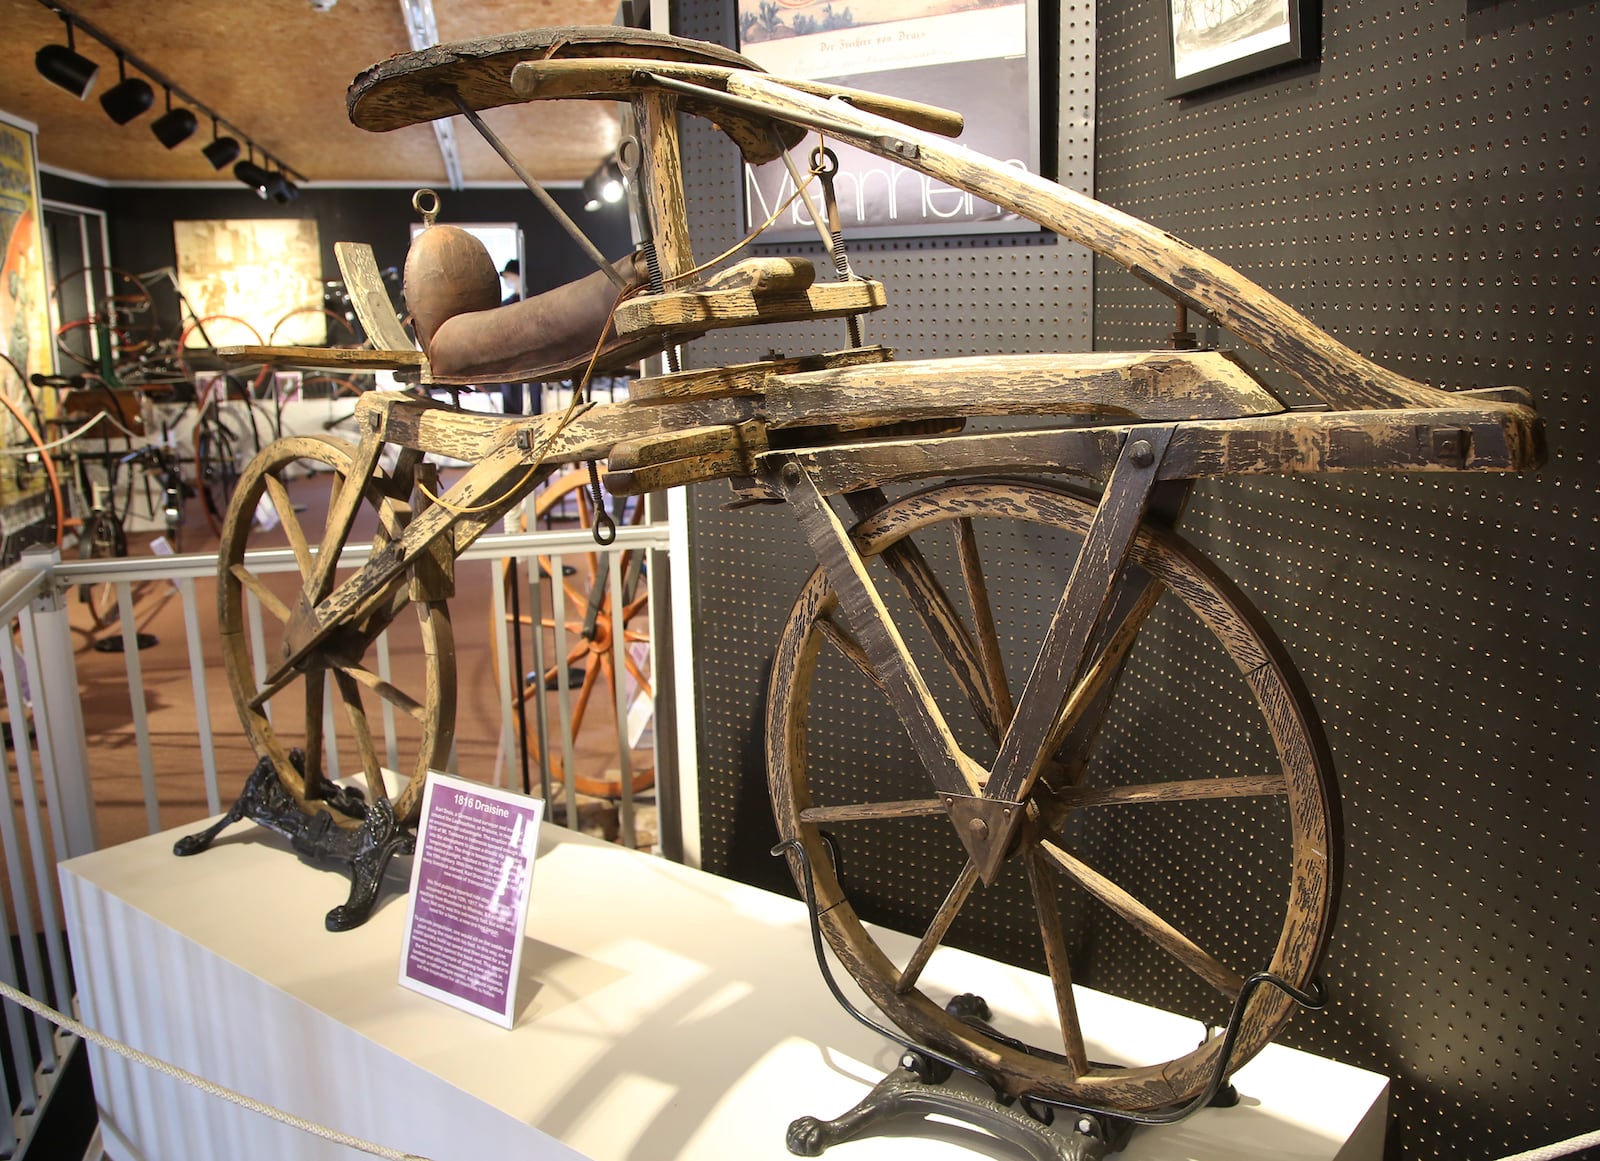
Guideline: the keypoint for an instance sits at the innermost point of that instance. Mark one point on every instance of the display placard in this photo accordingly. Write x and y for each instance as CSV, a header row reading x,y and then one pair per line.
x,y
469,895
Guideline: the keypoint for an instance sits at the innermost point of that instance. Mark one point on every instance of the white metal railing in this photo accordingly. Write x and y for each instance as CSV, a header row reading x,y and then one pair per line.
x,y
46,747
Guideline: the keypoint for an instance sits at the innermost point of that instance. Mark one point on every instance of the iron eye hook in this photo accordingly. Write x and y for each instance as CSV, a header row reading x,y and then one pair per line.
x,y
426,203
824,161
605,528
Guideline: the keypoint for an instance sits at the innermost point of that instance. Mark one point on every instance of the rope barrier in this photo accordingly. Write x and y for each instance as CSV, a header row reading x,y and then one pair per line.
x,y
200,1082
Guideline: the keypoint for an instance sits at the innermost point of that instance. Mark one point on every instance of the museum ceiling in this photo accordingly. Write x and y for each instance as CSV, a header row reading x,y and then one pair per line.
x,y
278,70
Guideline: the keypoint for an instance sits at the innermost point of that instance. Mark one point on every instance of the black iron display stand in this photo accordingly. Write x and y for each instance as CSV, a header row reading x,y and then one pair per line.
x,y
365,850
919,1086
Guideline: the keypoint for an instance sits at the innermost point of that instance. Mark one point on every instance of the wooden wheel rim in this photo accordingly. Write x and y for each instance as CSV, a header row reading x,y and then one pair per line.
x,y
1312,803
438,646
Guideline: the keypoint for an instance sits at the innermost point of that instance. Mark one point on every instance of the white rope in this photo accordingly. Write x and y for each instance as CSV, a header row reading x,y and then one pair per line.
x,y
1560,1149
201,1082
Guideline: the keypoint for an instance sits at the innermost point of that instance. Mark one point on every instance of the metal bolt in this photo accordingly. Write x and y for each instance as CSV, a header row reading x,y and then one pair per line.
x,y
978,827
792,474
1142,453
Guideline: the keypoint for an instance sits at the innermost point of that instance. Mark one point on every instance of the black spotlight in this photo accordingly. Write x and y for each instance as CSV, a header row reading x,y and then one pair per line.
x,y
61,65
282,190
253,176
175,126
129,97
221,150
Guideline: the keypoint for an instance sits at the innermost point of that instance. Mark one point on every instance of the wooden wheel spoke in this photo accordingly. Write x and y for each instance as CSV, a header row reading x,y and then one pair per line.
x,y
636,673
388,691
1053,937
290,520
1176,791
858,811
350,694
948,631
1144,920
1094,687
988,640
591,677
850,647
954,899
313,699
275,686
269,599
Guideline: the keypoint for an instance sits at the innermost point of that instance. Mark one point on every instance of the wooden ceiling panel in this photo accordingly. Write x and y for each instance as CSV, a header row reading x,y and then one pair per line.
x,y
278,70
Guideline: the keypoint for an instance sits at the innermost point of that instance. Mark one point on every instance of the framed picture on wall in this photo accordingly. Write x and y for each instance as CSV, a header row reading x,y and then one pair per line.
x,y
1211,41
979,57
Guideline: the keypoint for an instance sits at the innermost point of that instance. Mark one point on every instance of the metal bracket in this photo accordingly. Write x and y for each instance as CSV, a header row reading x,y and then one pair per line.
x,y
986,827
910,1091
366,849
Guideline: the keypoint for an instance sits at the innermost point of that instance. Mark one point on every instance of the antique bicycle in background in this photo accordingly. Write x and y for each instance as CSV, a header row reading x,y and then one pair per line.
x,y
1004,679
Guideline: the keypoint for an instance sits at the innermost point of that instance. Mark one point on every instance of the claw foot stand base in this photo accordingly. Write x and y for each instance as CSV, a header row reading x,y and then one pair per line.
x,y
366,850
904,1093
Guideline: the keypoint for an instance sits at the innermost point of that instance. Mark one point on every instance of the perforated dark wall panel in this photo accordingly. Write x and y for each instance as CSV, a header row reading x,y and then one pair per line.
x,y
1425,192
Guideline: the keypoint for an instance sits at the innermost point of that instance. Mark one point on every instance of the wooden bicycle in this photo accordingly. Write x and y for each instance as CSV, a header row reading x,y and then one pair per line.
x,y
901,598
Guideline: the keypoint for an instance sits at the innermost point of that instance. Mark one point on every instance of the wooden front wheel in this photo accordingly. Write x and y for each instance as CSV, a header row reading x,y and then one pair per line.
x,y
289,712
1131,847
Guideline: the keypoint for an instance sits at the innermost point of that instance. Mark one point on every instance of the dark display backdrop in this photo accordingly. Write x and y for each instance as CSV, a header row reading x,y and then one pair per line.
x,y
139,221
1425,194
1422,194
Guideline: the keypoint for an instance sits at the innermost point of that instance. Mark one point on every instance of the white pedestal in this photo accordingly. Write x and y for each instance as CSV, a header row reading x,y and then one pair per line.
x,y
665,1013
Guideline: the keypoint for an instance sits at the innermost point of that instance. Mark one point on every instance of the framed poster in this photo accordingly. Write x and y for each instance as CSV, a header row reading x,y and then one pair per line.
x,y
978,56
27,508
1211,41
25,330
266,272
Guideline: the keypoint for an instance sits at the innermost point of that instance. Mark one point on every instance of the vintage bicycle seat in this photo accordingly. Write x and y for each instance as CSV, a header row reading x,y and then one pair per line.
x,y
414,87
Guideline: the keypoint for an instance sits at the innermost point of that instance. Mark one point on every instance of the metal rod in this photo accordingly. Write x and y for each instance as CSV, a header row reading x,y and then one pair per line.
x,y
541,711
197,684
497,613
141,719
628,823
558,614
44,871
521,704
800,184
539,192
19,894
161,79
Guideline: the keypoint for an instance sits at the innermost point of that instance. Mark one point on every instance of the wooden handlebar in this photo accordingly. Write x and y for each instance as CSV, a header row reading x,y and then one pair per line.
x,y
617,80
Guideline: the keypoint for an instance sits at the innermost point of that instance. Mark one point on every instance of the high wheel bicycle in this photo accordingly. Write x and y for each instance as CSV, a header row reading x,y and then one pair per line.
x,y
999,681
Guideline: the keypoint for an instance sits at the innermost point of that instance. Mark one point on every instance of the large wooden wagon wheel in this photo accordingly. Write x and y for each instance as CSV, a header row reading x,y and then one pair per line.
x,y
590,623
287,715
971,624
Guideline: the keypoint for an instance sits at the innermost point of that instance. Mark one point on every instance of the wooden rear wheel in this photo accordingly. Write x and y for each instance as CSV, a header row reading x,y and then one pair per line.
x,y
414,702
1132,836
589,621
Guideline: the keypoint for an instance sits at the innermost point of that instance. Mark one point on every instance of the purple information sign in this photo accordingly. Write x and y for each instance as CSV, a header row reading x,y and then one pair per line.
x,y
469,895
